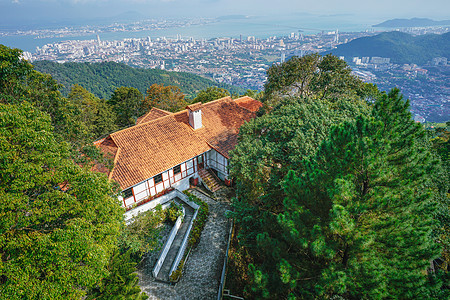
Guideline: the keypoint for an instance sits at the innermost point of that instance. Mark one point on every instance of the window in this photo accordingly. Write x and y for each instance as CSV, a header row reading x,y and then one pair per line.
x,y
127,193
177,169
158,179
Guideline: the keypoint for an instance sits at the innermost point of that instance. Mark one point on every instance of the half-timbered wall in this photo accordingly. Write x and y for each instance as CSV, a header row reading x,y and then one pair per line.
x,y
218,162
177,177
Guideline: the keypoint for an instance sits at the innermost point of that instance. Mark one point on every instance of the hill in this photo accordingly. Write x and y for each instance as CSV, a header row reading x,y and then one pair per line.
x,y
401,47
414,22
102,79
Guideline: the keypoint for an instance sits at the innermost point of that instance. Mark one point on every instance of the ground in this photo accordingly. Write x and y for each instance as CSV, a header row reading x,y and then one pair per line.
x,y
203,269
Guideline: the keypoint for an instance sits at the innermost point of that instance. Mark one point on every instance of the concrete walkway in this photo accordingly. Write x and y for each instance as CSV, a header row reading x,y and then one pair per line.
x,y
202,271
176,244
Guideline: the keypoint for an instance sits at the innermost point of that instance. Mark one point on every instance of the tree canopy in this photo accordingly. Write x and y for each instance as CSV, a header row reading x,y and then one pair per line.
x,y
59,222
168,98
127,104
313,75
337,196
211,93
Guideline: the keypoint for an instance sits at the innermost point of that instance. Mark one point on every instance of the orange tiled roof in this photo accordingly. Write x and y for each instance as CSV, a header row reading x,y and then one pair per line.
x,y
249,103
195,106
153,114
154,146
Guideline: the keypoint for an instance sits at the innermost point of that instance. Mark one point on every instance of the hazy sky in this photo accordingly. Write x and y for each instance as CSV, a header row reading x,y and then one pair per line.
x,y
13,11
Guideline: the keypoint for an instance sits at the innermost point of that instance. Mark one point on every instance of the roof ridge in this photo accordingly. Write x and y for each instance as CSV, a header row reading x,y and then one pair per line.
x,y
149,122
165,111
171,115
217,100
141,119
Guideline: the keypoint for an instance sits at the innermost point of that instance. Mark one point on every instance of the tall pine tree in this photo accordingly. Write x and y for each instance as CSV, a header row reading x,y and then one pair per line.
x,y
358,221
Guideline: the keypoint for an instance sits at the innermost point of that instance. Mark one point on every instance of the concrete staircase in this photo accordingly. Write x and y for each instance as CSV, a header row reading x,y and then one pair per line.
x,y
164,273
209,179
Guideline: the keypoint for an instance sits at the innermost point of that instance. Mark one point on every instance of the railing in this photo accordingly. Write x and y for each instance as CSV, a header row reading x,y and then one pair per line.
x,y
215,176
174,231
223,277
183,245
168,244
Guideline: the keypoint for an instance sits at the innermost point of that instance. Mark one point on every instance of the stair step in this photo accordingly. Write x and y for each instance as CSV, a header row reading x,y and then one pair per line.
x,y
209,180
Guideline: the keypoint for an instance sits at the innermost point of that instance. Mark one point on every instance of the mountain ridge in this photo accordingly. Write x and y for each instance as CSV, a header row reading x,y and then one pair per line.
x,y
401,47
413,22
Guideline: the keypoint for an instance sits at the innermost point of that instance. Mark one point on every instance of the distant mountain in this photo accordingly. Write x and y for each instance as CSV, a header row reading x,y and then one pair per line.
x,y
401,47
102,79
414,22
232,17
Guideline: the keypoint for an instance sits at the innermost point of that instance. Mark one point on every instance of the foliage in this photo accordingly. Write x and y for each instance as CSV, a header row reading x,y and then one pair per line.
x,y
141,233
278,141
103,78
353,214
336,195
127,104
168,98
96,116
312,75
210,93
122,282
13,71
199,222
173,212
258,95
59,222
176,275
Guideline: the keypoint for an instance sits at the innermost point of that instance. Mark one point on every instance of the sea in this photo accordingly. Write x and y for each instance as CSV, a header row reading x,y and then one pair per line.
x,y
233,27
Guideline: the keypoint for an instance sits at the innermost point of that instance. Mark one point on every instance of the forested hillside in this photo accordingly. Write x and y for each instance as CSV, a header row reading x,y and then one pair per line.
x,y
401,47
102,79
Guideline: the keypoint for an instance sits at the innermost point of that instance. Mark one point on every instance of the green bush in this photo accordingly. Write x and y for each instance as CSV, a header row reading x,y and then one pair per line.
x,y
199,222
173,212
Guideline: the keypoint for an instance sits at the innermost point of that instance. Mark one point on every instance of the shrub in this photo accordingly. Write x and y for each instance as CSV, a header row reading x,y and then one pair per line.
x,y
173,212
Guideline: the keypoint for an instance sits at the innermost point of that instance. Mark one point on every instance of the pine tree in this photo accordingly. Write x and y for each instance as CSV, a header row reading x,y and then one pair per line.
x,y
122,282
358,221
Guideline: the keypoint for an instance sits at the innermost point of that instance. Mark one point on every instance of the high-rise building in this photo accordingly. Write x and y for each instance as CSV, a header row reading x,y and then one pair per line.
x,y
283,57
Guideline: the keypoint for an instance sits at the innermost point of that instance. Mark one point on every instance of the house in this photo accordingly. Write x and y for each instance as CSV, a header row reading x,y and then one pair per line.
x,y
165,150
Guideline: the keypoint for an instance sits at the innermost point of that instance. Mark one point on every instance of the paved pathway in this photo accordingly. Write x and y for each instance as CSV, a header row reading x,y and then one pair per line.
x,y
201,275
176,244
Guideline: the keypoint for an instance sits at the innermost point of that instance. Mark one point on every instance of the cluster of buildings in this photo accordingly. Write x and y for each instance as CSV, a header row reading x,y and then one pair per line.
x,y
425,86
239,61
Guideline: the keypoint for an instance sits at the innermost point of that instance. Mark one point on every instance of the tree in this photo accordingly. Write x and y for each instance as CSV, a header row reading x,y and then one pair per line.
x,y
168,98
59,222
95,115
122,282
19,82
357,219
211,93
13,71
127,104
258,95
312,75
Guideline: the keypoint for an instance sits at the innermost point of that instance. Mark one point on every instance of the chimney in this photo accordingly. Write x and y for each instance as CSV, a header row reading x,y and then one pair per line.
x,y
195,115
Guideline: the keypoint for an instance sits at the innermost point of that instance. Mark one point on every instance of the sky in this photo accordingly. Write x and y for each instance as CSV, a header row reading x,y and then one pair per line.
x,y
13,12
